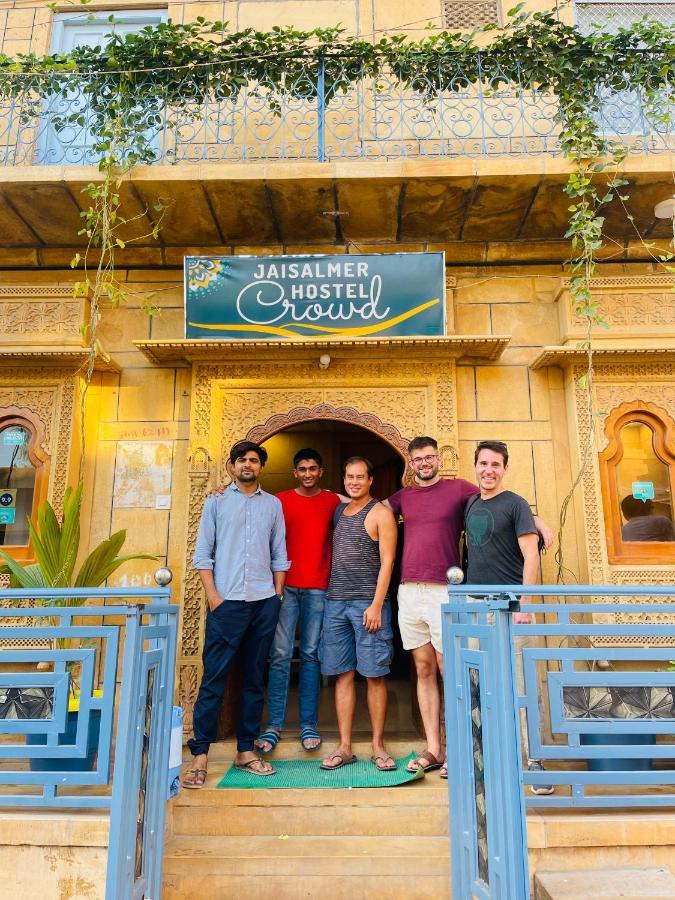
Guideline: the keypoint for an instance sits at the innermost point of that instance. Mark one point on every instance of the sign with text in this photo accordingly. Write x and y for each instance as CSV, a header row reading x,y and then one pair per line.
x,y
291,297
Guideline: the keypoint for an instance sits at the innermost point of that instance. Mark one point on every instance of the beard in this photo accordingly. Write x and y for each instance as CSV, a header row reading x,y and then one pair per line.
x,y
246,476
426,476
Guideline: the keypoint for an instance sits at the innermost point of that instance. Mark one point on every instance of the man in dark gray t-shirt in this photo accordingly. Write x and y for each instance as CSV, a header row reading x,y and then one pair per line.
x,y
502,548
494,526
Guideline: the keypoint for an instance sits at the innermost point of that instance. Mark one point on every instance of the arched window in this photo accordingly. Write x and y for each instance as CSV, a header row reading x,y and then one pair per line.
x,y
637,471
23,478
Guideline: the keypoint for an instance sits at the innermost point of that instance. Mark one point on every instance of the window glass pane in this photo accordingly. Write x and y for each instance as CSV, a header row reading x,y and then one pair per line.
x,y
17,486
643,484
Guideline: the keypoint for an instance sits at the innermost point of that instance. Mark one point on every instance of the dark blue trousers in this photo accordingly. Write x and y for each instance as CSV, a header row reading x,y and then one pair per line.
x,y
250,626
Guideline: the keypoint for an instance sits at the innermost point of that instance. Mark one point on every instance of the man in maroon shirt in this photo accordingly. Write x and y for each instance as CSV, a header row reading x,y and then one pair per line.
x,y
433,516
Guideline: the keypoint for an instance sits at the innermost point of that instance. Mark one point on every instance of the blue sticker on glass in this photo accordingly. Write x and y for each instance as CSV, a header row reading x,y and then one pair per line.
x,y
7,516
643,490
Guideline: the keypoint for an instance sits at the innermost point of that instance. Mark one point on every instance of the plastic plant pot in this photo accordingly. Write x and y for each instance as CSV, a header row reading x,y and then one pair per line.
x,y
618,764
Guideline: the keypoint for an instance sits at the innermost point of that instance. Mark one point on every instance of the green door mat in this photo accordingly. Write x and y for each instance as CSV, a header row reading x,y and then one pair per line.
x,y
307,773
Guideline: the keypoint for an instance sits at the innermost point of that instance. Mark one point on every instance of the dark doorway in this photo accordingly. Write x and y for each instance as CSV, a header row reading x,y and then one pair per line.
x,y
336,441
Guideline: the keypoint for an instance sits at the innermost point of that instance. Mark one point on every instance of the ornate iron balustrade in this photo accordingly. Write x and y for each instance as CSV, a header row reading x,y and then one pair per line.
x,y
542,691
109,750
328,112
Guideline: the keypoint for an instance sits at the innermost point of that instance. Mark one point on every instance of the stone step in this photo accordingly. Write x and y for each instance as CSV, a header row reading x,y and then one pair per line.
x,y
605,884
225,819
293,887
303,855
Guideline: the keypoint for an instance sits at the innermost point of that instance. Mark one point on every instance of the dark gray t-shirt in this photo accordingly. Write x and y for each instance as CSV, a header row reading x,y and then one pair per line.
x,y
492,530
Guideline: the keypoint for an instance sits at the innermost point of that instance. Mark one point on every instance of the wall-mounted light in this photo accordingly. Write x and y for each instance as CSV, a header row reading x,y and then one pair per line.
x,y
324,361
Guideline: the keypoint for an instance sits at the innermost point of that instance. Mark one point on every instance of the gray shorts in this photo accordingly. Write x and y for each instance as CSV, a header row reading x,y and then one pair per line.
x,y
346,645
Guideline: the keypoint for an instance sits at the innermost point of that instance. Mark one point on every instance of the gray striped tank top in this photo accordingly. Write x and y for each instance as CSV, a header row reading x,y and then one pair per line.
x,y
356,559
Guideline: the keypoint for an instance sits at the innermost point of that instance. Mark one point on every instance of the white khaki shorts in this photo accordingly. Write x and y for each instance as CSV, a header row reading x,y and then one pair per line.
x,y
419,613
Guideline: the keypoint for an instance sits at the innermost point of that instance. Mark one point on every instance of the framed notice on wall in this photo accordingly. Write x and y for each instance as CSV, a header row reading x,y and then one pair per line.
x,y
320,297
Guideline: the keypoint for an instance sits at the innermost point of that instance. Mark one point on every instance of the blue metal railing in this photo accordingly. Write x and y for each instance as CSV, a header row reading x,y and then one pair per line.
x,y
560,691
340,110
86,695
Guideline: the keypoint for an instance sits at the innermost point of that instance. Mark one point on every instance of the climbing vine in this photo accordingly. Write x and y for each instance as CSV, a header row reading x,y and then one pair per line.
x,y
162,76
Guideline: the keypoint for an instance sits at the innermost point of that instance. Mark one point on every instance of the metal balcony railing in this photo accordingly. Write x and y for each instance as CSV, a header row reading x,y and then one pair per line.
x,y
330,112
587,691
85,715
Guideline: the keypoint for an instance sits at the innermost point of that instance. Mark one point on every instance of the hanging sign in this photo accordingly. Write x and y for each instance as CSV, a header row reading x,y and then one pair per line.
x,y
292,297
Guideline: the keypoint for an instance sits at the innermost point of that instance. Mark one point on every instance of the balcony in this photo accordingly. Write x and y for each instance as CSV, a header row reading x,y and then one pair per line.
x,y
471,164
331,112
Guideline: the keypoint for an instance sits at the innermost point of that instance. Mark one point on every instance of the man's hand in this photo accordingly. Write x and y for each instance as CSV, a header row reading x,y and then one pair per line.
x,y
214,601
216,491
546,532
372,618
522,618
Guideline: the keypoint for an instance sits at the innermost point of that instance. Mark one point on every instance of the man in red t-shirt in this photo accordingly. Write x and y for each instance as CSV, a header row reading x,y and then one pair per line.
x,y
433,517
308,514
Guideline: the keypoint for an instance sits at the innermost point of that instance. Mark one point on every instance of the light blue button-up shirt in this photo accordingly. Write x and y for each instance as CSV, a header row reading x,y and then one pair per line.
x,y
242,538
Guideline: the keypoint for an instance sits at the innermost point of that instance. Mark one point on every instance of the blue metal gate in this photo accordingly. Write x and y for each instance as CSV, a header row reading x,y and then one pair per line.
x,y
110,749
547,690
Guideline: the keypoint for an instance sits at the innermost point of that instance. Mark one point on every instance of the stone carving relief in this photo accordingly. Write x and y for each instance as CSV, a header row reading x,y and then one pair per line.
x,y
635,311
48,319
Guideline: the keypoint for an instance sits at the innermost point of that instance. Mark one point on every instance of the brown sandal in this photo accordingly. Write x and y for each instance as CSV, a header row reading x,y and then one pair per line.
x,y
196,781
250,767
427,757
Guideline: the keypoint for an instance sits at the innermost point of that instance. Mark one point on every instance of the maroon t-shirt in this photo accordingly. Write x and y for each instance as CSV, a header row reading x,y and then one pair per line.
x,y
434,519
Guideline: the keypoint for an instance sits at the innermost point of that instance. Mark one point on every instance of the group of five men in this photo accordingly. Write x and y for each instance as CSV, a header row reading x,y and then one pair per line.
x,y
327,560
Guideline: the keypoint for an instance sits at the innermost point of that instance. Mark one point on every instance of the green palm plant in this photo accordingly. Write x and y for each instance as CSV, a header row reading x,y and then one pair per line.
x,y
56,546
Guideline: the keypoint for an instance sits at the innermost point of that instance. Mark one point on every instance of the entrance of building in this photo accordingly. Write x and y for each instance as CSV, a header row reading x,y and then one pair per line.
x,y
336,441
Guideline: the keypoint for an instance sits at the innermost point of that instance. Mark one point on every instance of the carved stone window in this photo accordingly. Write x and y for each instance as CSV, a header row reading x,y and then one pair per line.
x,y
23,478
467,14
637,471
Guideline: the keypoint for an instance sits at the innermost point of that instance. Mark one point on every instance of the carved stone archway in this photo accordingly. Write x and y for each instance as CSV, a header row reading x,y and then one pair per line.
x,y
325,411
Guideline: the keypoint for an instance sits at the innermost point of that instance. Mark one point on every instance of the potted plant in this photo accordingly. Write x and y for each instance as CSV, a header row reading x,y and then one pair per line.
x,y
56,546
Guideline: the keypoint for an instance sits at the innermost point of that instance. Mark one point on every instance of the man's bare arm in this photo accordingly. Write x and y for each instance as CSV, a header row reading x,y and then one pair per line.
x,y
545,531
529,548
386,534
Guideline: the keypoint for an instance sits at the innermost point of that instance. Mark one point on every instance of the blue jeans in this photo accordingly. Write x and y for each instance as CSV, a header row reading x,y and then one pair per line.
x,y
308,604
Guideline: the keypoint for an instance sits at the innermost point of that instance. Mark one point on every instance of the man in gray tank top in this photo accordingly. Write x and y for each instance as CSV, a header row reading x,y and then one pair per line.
x,y
357,630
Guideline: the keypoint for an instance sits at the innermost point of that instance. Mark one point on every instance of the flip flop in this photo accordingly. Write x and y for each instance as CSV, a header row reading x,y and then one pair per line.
x,y
309,734
384,758
197,781
428,757
270,737
249,767
344,760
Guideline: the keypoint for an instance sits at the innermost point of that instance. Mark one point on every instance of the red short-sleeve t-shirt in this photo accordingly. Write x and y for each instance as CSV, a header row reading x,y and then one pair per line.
x,y
309,537
433,519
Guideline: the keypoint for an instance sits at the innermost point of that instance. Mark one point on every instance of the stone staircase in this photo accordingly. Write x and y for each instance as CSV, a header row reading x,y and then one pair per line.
x,y
362,844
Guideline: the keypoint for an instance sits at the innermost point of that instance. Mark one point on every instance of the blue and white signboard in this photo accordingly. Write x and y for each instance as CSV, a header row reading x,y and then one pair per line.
x,y
291,297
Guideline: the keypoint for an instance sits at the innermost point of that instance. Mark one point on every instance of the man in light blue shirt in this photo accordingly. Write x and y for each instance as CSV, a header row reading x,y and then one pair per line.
x,y
241,559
